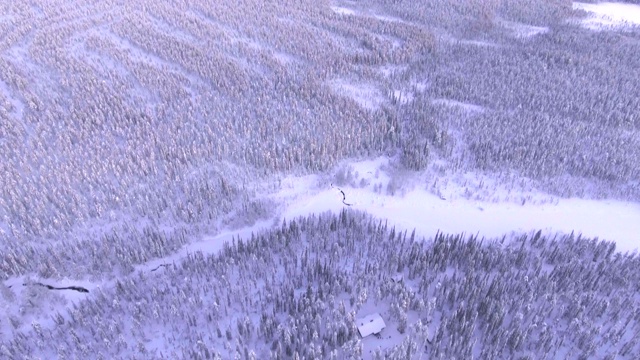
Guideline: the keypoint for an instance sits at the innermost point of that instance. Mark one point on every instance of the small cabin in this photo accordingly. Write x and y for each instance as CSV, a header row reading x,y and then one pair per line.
x,y
370,324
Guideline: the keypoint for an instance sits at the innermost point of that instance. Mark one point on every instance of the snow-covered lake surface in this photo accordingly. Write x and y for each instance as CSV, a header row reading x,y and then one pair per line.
x,y
428,213
608,15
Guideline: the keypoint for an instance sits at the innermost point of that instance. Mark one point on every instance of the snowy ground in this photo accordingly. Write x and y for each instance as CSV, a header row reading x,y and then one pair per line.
x,y
521,30
366,95
429,213
609,15
463,105
343,10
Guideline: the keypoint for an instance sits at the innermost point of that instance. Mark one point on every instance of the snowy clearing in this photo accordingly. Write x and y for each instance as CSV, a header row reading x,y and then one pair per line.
x,y
428,213
12,104
609,15
342,10
389,18
521,30
367,96
476,43
458,41
459,104
173,30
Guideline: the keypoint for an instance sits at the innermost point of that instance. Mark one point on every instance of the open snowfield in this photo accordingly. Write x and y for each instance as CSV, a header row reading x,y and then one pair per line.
x,y
342,10
608,15
428,213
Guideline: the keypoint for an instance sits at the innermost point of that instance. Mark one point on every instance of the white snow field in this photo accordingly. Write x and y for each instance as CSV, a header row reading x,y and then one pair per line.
x,y
609,15
429,213
342,10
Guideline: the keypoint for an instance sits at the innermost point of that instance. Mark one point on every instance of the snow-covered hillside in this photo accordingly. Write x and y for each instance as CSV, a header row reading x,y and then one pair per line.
x,y
252,179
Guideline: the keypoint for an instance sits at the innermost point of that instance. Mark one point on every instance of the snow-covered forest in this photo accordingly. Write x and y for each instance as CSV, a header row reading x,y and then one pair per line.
x,y
295,292
202,179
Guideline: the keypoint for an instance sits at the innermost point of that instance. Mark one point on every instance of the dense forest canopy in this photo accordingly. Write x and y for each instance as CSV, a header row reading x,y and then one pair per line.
x,y
295,292
130,128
